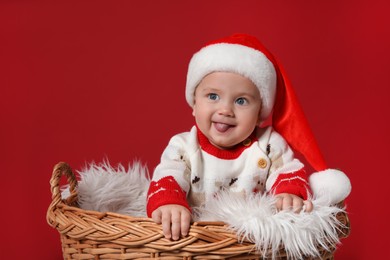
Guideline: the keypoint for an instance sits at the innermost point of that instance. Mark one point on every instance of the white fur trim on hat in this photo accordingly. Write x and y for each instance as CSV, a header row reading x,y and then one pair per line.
x,y
331,183
239,59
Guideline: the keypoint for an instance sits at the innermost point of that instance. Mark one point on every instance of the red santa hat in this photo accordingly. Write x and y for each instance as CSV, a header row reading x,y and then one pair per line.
x,y
245,55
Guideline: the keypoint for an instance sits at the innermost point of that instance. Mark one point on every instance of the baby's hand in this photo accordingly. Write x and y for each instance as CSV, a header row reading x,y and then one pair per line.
x,y
290,201
175,220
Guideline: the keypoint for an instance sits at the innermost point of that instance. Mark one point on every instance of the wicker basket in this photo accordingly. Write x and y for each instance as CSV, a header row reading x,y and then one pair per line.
x,y
95,235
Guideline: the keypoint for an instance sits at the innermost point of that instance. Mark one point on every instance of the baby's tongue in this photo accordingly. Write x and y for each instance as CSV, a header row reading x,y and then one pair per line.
x,y
221,127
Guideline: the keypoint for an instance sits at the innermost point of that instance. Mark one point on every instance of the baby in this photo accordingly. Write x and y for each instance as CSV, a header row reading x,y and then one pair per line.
x,y
233,85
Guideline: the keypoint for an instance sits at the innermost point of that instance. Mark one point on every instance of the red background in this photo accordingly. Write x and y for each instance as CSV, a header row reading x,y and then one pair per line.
x,y
88,80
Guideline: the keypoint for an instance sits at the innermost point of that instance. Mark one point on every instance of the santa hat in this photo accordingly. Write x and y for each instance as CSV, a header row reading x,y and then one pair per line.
x,y
245,55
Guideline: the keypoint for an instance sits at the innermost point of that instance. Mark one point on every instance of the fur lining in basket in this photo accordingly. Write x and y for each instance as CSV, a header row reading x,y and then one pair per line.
x,y
106,189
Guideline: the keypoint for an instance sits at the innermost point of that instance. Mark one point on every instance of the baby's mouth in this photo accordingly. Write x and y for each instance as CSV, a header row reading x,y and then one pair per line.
x,y
221,127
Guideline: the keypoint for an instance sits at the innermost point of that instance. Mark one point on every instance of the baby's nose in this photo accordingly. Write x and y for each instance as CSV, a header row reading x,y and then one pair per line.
x,y
226,110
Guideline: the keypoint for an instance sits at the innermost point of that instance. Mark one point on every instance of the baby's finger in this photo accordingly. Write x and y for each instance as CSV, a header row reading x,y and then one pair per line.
x,y
185,223
279,203
166,224
156,216
175,228
287,202
297,205
308,205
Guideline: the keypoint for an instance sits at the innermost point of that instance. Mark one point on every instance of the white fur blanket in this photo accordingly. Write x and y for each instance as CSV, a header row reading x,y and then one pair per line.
x,y
107,189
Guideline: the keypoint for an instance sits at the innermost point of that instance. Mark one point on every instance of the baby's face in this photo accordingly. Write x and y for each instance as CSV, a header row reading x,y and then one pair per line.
x,y
227,108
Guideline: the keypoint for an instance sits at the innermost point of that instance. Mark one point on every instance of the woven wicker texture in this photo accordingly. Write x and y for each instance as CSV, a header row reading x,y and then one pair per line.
x,y
95,235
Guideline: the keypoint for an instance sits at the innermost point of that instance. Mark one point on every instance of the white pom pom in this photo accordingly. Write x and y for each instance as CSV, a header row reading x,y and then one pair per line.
x,y
330,184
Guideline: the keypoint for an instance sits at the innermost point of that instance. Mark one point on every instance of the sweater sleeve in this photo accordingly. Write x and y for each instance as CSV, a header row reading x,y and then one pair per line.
x,y
171,178
287,174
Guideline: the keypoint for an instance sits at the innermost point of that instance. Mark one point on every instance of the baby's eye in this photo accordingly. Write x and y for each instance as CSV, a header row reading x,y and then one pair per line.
x,y
241,101
213,96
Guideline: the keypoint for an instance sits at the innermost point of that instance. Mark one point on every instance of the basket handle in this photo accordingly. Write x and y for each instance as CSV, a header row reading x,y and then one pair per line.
x,y
59,170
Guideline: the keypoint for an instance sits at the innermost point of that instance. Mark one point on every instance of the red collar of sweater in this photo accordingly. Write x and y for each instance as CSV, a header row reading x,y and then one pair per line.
x,y
227,154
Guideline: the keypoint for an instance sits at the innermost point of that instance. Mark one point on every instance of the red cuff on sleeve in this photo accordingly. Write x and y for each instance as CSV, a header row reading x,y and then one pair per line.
x,y
293,183
163,192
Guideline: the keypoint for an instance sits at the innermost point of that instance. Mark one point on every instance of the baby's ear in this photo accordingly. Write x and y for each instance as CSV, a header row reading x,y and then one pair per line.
x,y
194,108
